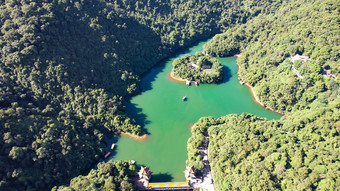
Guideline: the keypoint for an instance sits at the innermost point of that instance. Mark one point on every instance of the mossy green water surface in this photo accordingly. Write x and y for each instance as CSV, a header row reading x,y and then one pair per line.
x,y
161,111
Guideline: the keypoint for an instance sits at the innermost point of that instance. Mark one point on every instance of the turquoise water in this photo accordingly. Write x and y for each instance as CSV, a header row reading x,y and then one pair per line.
x,y
160,110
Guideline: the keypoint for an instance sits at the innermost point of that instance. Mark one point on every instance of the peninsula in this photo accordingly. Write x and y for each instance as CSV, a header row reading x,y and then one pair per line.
x,y
198,67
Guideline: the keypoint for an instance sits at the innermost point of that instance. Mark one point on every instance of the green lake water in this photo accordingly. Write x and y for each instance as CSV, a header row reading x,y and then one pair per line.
x,y
161,111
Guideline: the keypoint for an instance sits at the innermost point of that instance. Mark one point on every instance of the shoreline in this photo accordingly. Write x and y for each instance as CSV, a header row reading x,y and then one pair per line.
x,y
205,53
253,92
173,78
258,101
143,137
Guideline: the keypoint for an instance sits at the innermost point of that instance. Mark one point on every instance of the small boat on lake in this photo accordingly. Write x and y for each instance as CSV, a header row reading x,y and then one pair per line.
x,y
113,146
107,154
184,98
196,83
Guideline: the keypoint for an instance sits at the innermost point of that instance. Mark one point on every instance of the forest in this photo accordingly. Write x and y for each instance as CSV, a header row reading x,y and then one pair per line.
x,y
266,43
198,67
113,175
67,66
298,152
301,150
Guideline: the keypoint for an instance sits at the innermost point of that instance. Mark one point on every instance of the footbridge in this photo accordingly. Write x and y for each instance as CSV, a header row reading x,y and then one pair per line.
x,y
169,186
204,182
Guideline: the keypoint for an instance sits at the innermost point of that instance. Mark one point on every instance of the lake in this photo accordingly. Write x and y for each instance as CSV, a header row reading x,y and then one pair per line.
x,y
166,118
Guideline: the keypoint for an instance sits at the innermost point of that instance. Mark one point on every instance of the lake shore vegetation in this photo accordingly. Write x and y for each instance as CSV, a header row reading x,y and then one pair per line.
x,y
198,67
67,67
297,152
113,175
268,43
248,152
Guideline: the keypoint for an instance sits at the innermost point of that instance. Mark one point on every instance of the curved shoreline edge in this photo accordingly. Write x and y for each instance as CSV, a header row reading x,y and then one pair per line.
x,y
143,137
256,99
172,77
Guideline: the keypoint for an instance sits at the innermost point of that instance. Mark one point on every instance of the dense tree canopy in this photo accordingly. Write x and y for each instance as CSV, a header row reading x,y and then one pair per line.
x,y
113,175
198,67
266,43
67,66
301,150
298,152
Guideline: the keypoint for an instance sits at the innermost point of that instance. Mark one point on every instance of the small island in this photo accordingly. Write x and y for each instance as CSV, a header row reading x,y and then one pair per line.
x,y
198,68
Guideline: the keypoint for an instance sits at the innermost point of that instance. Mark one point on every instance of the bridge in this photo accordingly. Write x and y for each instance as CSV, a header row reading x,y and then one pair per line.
x,y
169,186
204,182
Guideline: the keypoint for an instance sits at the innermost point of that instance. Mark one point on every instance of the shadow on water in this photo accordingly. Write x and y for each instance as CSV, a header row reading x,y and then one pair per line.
x,y
108,141
137,114
112,155
161,177
226,75
151,75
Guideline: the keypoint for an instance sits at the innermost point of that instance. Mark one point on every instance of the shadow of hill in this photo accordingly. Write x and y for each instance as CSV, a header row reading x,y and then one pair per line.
x,y
150,76
138,115
226,75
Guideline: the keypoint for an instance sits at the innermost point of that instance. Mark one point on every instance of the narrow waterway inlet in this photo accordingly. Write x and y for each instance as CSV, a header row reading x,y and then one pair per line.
x,y
161,111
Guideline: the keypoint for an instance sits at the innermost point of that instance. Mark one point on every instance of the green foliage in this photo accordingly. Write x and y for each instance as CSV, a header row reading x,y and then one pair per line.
x,y
199,68
113,175
267,41
333,66
194,143
67,66
297,152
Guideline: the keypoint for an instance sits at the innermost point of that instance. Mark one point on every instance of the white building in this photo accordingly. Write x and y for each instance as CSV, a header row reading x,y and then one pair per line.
x,y
144,175
299,57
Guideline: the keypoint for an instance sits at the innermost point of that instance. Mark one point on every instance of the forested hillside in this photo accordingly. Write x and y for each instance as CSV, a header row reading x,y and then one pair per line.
x,y
301,150
113,175
267,42
67,66
298,152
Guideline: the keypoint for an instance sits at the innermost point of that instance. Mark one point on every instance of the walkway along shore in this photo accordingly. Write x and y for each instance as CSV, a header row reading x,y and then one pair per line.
x,y
208,182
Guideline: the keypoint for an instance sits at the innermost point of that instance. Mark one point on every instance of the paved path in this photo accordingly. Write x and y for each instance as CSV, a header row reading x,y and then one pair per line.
x,y
207,183
296,72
